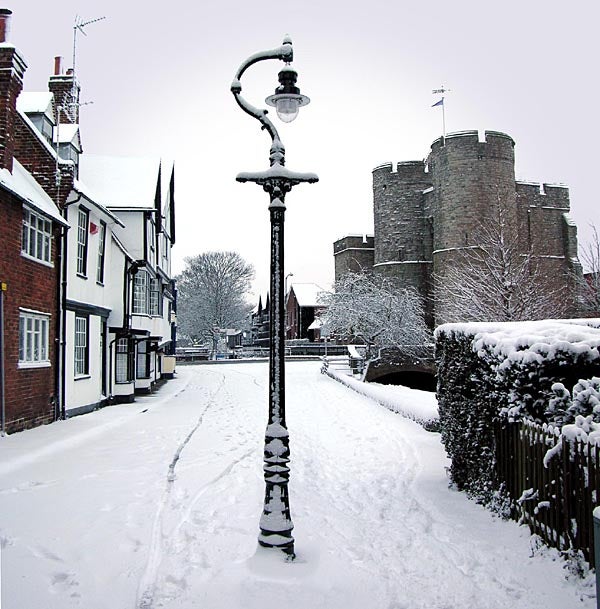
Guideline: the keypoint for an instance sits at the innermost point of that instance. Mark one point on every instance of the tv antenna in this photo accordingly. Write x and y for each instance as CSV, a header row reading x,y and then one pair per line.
x,y
79,26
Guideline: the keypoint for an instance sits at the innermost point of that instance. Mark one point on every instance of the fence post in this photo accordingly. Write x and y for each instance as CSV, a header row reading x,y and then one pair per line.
x,y
597,553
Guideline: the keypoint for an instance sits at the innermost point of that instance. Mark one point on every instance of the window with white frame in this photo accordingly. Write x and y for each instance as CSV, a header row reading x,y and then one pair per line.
x,y
82,240
140,293
33,338
37,236
101,253
81,345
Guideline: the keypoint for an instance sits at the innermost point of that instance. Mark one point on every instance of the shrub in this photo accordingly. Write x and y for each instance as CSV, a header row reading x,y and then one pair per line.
x,y
488,373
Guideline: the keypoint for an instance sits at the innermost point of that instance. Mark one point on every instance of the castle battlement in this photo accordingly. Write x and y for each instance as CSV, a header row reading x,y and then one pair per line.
x,y
405,170
543,195
540,188
470,140
353,242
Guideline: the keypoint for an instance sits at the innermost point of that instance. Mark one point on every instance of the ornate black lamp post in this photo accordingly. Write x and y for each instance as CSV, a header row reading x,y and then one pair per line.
x,y
276,523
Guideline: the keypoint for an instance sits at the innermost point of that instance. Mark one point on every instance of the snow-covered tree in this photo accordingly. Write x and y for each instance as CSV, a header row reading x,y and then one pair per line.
x,y
371,309
496,280
211,294
589,283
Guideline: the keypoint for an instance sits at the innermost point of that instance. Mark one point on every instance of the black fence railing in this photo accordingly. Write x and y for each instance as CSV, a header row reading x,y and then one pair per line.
x,y
553,483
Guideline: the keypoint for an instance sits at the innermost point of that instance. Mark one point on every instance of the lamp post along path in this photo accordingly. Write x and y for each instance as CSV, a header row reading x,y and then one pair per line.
x,y
276,522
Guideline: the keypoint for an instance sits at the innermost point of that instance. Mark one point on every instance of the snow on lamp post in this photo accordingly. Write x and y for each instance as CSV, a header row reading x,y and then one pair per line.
x,y
276,523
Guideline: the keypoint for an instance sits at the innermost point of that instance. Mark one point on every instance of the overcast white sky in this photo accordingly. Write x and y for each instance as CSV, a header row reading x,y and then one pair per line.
x,y
159,73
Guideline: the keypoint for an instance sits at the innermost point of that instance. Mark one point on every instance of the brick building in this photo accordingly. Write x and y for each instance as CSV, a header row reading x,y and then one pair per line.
x,y
87,315
31,228
302,306
425,212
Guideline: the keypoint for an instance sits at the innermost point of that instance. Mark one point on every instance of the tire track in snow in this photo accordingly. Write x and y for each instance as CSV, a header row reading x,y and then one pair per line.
x,y
146,588
163,542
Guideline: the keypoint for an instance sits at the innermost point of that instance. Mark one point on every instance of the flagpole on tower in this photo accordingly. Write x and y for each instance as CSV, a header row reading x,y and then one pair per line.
x,y
441,91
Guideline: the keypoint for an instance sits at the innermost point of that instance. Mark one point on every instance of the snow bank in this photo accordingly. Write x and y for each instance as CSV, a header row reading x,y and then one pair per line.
x,y
420,406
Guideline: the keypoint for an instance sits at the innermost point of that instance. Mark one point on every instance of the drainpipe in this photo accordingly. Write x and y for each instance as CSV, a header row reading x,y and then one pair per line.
x,y
110,370
61,380
60,410
2,392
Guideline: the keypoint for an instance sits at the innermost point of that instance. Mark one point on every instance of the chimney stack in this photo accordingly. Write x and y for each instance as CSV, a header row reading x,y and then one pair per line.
x,y
5,14
12,70
65,89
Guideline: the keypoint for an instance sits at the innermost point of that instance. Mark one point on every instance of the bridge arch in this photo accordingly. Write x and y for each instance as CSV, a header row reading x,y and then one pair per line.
x,y
395,367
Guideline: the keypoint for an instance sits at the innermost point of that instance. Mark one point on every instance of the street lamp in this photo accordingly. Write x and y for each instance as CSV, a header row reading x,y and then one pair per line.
x,y
276,523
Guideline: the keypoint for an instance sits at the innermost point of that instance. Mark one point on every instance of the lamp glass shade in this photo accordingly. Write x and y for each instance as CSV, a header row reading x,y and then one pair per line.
x,y
287,105
287,108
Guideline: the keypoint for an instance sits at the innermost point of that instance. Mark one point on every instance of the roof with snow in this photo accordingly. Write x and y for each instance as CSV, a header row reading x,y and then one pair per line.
x,y
307,294
124,182
36,103
40,138
67,133
22,184
94,199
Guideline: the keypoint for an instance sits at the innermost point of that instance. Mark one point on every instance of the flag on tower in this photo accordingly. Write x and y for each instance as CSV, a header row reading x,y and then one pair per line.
x,y
440,103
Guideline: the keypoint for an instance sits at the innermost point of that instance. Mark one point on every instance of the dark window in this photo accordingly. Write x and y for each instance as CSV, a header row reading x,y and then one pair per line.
x,y
101,252
143,360
124,359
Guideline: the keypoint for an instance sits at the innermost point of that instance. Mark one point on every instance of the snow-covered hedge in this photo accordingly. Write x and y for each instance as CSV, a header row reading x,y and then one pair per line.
x,y
487,371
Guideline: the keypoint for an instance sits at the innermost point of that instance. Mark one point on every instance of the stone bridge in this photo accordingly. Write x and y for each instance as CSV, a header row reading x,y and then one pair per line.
x,y
396,367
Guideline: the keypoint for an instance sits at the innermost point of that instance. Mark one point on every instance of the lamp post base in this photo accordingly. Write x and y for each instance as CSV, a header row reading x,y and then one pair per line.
x,y
280,543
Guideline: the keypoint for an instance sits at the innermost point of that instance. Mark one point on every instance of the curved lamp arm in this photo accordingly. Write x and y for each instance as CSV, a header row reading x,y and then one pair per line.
x,y
285,53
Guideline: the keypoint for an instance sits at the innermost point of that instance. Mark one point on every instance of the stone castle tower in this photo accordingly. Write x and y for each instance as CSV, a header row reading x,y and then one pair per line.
x,y
425,212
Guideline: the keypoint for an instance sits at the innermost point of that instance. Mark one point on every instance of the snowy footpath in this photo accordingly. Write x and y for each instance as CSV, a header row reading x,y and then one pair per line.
x,y
156,504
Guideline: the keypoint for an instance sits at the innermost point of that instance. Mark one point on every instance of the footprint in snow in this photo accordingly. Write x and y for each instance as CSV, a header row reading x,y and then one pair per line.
x,y
62,583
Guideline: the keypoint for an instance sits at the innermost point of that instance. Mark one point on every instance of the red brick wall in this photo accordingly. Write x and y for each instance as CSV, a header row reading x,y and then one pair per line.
x,y
40,162
12,69
29,392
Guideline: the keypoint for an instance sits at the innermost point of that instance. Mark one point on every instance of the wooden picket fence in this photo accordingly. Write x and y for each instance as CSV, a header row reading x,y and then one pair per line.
x,y
555,493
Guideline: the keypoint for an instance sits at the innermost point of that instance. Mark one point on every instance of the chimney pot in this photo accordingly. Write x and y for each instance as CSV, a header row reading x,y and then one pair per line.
x,y
5,14
69,71
57,66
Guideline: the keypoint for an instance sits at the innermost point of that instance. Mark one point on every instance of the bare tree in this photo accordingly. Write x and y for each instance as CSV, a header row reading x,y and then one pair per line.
x,y
589,283
211,294
370,308
496,280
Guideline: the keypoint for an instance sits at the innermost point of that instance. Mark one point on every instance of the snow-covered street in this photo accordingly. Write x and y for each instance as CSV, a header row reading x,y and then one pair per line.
x,y
156,504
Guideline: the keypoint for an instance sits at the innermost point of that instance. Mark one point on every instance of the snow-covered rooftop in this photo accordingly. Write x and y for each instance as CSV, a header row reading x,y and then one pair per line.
x,y
35,103
93,198
125,182
41,139
307,294
21,183
67,133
